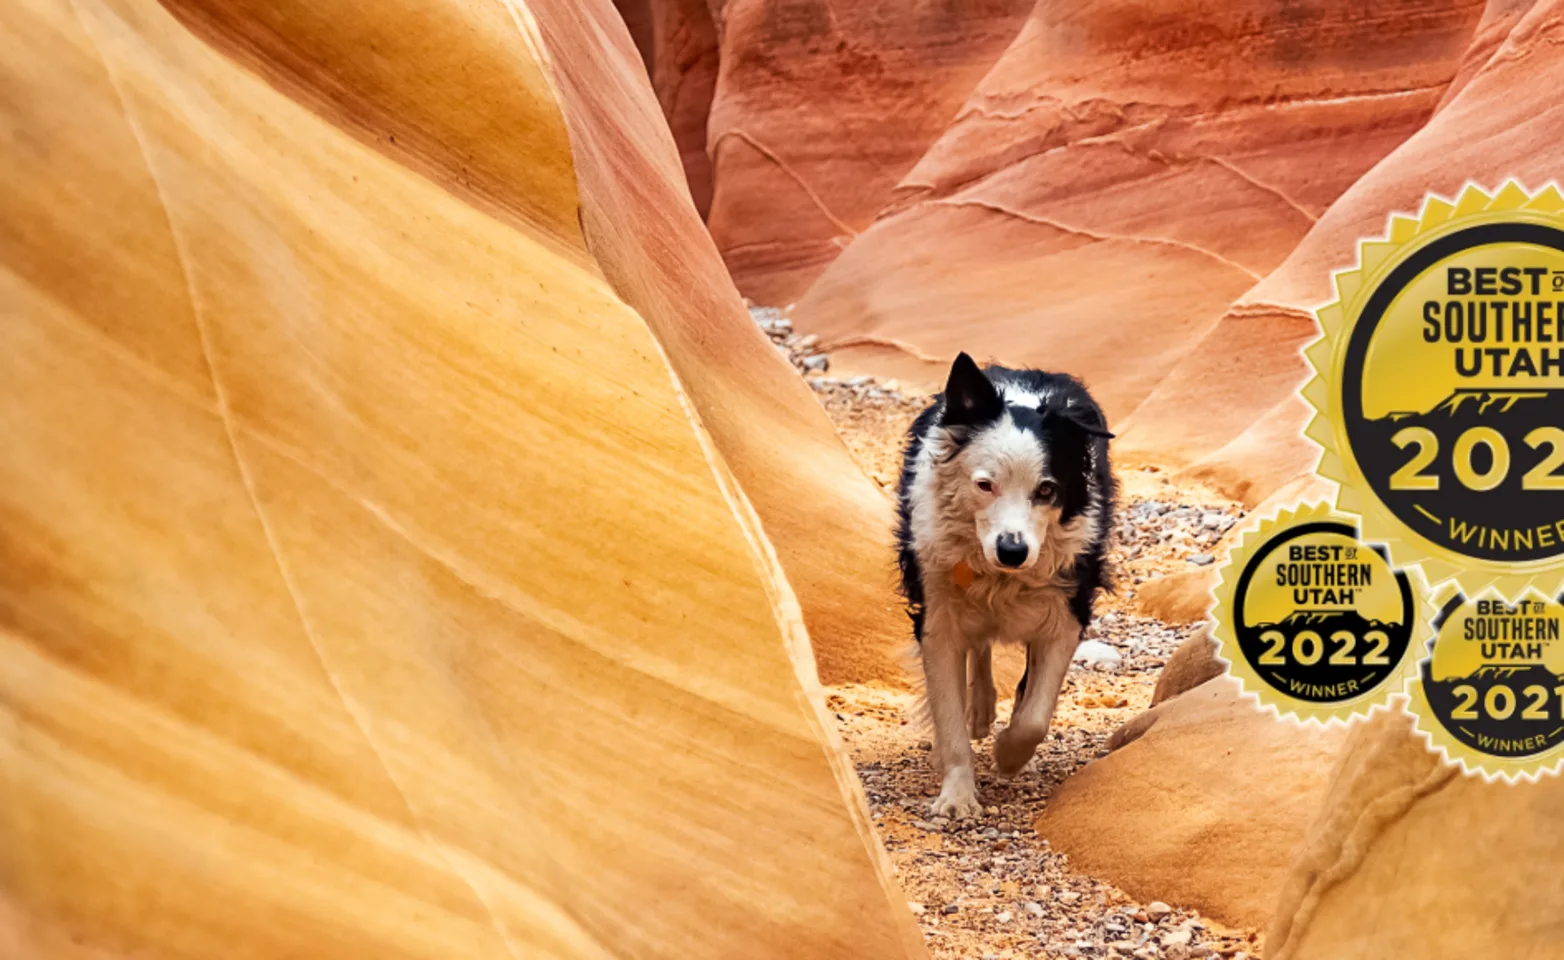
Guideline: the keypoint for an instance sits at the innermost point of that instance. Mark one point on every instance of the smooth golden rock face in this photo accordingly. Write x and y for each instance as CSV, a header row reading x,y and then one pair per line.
x,y
366,588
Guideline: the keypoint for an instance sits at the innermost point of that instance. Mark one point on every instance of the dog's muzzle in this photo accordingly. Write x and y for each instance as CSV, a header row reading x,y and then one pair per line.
x,y
1010,550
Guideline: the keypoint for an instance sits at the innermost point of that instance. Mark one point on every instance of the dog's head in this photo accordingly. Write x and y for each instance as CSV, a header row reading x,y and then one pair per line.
x,y
1022,474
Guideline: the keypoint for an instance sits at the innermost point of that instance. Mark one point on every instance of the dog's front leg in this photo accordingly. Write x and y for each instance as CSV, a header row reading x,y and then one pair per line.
x,y
945,680
1047,660
982,699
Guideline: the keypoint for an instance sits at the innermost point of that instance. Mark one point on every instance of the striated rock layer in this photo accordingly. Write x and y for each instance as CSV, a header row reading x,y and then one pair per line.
x,y
368,586
1495,122
830,526
1121,176
820,108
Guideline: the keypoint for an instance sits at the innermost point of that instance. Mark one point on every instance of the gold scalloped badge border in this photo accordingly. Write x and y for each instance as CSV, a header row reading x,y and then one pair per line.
x,y
1225,609
1376,258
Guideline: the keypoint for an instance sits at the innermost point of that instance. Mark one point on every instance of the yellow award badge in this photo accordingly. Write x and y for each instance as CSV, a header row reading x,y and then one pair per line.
x,y
1440,389
1490,697
1314,623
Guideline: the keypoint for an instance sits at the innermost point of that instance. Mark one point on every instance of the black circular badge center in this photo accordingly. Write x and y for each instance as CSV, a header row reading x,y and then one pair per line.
x,y
1304,655
1508,522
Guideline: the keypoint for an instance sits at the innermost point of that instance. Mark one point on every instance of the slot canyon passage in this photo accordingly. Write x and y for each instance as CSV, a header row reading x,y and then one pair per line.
x,y
444,505
999,886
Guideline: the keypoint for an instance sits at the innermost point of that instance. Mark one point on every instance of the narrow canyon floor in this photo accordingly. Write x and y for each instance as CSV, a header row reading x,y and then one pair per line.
x,y
993,888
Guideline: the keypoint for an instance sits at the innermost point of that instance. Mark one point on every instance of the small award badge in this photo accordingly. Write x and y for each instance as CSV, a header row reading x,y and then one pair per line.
x,y
1490,697
1440,389
1314,623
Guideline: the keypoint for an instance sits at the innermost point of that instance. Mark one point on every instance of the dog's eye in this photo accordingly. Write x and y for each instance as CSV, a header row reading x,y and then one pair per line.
x,y
1046,491
985,484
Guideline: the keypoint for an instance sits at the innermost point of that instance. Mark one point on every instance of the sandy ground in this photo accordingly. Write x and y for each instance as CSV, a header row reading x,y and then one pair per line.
x,y
993,888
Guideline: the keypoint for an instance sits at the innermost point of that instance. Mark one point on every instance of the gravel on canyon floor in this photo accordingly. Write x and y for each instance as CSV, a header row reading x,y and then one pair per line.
x,y
993,888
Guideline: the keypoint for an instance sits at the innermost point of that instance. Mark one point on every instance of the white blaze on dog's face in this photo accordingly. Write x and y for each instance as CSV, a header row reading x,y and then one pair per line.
x,y
1010,493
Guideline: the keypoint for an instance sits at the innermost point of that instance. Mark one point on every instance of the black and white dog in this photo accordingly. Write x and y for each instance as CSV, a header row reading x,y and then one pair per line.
x,y
1006,500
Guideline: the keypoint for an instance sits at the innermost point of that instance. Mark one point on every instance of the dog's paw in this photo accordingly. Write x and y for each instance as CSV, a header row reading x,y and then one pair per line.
x,y
957,800
1012,756
1031,766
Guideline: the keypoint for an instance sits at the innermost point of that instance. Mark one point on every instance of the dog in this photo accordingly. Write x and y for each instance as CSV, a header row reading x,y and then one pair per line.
x,y
1005,503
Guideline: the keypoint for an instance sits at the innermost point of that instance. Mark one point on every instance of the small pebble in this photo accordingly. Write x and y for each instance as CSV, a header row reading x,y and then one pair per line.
x,y
1098,655
949,909
1156,910
1202,559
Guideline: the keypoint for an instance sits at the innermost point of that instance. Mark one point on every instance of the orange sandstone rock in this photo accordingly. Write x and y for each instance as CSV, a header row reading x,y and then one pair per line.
x,y
1408,858
1121,176
1493,123
820,108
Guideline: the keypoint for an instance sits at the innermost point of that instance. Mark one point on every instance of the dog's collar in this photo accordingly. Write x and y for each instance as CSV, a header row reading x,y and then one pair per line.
x,y
961,574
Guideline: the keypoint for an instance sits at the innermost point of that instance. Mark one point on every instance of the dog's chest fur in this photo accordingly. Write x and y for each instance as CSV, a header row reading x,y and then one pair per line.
x,y
1004,609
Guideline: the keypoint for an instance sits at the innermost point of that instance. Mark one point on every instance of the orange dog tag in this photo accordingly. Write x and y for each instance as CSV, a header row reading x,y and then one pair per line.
x,y
961,574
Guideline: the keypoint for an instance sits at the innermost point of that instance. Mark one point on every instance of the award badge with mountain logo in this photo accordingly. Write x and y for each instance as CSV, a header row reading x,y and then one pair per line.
x,y
1316,624
1440,389
1491,695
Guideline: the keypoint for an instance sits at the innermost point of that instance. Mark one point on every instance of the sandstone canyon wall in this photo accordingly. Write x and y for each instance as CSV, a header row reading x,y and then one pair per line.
x,y
1408,858
677,41
1233,400
684,73
830,526
819,110
1123,174
369,585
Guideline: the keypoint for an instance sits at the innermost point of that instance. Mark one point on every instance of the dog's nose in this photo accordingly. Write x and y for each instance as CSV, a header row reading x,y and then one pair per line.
x,y
1010,549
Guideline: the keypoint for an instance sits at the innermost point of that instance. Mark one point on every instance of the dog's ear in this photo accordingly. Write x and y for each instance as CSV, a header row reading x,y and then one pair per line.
x,y
970,397
1085,421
